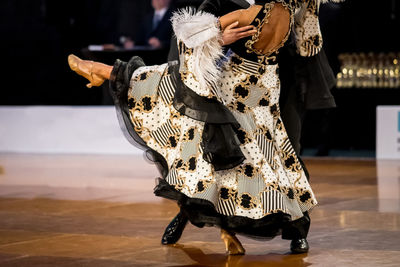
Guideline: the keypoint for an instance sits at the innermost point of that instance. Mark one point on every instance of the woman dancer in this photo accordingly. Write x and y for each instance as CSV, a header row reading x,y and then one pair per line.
x,y
214,130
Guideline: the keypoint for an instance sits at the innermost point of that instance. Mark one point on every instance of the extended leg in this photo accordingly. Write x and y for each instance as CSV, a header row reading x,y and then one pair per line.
x,y
95,72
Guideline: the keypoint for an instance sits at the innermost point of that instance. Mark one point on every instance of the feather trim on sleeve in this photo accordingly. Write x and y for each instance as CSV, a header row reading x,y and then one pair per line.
x,y
200,31
194,28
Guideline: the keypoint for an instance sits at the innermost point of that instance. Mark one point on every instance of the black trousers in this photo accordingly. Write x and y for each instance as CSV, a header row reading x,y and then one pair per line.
x,y
292,114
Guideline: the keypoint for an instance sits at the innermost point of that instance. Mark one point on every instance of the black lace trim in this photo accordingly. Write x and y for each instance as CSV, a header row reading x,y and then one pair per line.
x,y
202,213
119,85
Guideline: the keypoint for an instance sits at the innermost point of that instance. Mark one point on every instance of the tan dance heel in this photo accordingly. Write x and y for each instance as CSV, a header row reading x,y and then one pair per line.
x,y
85,69
232,244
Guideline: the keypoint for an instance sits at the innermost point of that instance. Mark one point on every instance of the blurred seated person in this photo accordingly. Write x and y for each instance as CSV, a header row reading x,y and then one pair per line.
x,y
156,29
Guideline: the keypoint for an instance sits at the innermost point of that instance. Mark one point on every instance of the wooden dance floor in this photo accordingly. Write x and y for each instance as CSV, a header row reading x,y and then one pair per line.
x,y
85,210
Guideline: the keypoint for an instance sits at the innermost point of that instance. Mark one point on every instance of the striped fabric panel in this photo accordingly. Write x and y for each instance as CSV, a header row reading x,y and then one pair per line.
x,y
190,148
272,200
161,134
304,206
179,180
166,91
293,208
267,149
206,156
137,124
287,146
255,96
252,186
310,48
146,87
172,177
245,120
226,207
275,200
201,149
247,66
210,193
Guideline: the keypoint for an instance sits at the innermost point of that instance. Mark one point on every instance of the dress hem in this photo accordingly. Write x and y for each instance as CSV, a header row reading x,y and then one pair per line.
x,y
201,212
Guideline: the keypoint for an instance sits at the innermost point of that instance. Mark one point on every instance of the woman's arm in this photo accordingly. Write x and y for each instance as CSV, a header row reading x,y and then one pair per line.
x,y
235,25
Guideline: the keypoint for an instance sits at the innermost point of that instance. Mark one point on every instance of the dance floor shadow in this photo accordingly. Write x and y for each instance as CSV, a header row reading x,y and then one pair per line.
x,y
270,259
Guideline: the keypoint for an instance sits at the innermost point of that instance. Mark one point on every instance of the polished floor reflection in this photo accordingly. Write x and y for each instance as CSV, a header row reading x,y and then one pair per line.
x,y
84,210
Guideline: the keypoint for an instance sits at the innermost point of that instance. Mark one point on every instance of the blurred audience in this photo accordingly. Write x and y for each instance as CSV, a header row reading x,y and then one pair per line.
x,y
156,28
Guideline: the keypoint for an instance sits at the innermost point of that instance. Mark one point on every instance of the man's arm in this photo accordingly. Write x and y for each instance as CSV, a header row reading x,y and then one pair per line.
x,y
212,6
232,33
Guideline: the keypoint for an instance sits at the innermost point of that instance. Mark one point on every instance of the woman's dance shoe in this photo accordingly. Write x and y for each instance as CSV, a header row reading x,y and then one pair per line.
x,y
85,69
174,230
298,246
232,244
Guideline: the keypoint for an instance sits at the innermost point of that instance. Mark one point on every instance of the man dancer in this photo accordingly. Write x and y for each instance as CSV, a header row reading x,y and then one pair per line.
x,y
156,29
296,97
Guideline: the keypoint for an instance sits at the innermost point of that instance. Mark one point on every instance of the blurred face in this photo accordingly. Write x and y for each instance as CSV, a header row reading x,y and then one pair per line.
x,y
160,4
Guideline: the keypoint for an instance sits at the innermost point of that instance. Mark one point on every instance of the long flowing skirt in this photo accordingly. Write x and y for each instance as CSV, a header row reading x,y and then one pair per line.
x,y
263,196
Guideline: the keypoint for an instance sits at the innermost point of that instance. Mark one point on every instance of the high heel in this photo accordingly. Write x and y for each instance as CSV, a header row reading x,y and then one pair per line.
x,y
85,69
232,244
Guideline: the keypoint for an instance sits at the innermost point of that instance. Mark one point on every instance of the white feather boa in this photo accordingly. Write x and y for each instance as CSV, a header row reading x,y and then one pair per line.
x,y
200,31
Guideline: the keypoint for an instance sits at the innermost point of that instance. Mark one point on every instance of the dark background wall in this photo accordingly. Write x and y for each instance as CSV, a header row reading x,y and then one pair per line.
x,y
37,36
354,26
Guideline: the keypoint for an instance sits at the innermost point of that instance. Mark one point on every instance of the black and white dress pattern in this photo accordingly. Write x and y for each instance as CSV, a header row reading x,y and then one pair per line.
x,y
271,179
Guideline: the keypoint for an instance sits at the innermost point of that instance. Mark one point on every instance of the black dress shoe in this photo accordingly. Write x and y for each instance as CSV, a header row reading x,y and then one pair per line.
x,y
298,246
174,229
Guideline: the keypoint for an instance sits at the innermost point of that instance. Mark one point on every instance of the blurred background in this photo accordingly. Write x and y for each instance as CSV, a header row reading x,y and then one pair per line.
x,y
360,40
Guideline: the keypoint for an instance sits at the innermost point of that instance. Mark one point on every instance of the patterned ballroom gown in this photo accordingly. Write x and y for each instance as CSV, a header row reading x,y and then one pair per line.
x,y
213,125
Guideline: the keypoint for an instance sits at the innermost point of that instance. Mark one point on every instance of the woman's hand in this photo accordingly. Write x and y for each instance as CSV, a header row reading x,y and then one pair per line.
x,y
232,33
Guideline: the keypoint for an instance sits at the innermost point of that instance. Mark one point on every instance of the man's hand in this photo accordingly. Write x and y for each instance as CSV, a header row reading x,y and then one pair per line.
x,y
232,33
154,42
